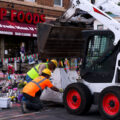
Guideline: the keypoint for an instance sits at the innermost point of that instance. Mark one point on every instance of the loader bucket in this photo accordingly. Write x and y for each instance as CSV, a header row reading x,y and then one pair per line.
x,y
56,41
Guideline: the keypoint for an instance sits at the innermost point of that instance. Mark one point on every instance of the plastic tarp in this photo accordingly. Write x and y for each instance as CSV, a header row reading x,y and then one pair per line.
x,y
61,79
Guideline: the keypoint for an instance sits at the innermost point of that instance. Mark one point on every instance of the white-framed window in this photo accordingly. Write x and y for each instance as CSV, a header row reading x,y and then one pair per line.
x,y
30,0
99,27
58,3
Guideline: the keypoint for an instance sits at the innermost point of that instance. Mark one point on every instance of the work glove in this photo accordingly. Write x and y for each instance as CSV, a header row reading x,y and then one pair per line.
x,y
61,90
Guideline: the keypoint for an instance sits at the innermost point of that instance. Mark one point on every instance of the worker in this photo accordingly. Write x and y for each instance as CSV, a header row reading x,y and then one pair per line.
x,y
38,84
37,70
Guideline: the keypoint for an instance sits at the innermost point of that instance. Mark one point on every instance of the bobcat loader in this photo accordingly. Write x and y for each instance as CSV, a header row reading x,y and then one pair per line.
x,y
100,72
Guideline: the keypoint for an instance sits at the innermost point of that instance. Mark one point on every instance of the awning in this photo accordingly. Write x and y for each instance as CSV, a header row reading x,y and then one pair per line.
x,y
17,29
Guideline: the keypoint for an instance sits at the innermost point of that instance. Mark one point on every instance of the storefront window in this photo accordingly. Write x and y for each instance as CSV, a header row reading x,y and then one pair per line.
x,y
13,46
58,3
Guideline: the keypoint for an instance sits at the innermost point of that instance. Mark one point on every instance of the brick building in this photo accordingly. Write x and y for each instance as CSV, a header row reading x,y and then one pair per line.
x,y
18,19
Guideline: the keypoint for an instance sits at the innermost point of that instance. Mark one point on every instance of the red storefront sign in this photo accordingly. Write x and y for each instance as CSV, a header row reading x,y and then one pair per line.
x,y
17,29
20,23
30,18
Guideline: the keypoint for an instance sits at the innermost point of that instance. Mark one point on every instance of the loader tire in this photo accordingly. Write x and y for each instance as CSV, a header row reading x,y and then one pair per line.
x,y
109,103
77,98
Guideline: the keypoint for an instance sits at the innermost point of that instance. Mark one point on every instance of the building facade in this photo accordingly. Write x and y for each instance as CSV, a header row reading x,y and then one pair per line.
x,y
18,21
99,26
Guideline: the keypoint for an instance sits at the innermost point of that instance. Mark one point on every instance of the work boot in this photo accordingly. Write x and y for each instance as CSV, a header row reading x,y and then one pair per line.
x,y
23,108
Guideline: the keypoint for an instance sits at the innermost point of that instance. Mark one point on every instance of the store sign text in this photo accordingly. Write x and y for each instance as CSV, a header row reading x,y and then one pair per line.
x,y
22,17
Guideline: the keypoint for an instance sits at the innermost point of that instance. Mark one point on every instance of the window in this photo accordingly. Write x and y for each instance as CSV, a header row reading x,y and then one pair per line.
x,y
93,1
58,3
30,0
99,27
119,3
97,47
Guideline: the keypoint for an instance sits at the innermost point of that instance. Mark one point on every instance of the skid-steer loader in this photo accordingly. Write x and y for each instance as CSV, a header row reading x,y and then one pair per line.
x,y
100,72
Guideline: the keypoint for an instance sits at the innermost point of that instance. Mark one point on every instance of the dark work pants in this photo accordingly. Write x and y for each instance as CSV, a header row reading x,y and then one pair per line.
x,y
33,103
38,94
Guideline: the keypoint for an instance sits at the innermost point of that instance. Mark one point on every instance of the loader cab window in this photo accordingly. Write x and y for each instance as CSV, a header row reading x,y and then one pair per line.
x,y
101,54
97,47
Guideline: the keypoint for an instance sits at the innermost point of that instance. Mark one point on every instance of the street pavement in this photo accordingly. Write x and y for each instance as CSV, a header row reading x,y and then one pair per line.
x,y
53,112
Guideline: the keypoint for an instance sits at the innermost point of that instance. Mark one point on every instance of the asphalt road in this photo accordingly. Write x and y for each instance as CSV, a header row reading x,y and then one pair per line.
x,y
60,113
55,112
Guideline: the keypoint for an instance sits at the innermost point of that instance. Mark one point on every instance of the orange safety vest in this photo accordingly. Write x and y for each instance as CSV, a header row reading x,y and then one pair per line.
x,y
39,83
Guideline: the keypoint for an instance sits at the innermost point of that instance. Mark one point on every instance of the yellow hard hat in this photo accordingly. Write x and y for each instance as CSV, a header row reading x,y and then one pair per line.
x,y
47,71
55,62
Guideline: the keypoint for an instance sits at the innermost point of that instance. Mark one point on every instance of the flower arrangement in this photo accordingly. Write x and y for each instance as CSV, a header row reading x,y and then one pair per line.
x,y
12,98
22,84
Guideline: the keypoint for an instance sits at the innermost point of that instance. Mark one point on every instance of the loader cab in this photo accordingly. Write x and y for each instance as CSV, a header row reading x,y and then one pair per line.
x,y
100,56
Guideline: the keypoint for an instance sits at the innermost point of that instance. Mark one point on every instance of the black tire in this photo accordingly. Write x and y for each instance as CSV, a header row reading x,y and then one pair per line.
x,y
109,103
77,98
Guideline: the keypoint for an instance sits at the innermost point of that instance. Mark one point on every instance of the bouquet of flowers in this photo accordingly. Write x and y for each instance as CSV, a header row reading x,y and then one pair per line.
x,y
22,84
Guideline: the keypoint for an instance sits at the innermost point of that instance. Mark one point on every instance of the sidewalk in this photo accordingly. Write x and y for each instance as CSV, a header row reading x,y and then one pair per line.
x,y
15,113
